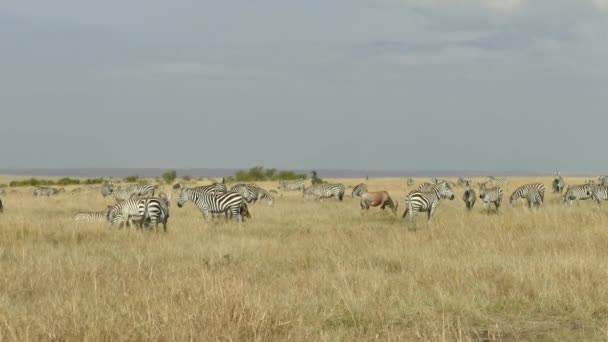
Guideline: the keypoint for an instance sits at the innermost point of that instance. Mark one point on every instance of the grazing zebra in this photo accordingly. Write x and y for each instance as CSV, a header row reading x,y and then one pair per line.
x,y
122,194
247,191
558,183
359,190
291,185
209,203
522,192
125,211
463,182
599,192
43,191
535,198
469,197
410,182
490,195
156,210
107,189
143,190
215,188
261,194
320,191
577,192
378,199
93,216
421,201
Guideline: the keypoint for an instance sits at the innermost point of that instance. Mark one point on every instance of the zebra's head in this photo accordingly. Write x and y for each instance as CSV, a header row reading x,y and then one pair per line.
x,y
443,190
513,199
184,196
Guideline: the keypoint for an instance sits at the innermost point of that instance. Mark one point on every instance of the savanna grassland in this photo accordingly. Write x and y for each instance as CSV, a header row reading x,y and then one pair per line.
x,y
306,271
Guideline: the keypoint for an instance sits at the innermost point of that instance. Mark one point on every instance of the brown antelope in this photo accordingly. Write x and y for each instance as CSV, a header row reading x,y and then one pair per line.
x,y
378,199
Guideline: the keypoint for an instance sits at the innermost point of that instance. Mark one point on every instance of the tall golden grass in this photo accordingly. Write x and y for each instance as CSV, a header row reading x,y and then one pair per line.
x,y
306,272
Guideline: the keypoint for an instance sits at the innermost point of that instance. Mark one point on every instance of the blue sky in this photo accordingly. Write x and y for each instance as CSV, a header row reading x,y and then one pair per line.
x,y
383,84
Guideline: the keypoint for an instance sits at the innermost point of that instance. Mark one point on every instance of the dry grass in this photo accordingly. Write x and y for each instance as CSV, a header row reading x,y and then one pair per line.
x,y
305,272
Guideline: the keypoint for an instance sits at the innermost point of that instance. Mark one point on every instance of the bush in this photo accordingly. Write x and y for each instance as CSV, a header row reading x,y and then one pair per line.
x,y
170,176
68,181
91,181
258,173
32,182
132,179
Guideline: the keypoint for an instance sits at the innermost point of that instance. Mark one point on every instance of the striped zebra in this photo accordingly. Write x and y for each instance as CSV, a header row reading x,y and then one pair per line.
x,y
535,198
558,183
469,197
246,190
126,212
107,189
230,203
577,192
421,201
359,190
599,192
215,188
156,210
522,192
262,194
93,216
292,185
490,195
410,182
143,190
44,191
321,191
428,187
122,194
497,180
602,180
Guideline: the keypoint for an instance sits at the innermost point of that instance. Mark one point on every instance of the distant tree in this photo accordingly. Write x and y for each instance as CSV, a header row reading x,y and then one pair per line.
x,y
170,176
315,178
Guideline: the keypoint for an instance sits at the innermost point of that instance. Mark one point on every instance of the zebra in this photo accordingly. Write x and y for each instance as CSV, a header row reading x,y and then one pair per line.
x,y
123,212
577,192
602,180
469,197
522,192
123,194
292,185
558,183
599,192
463,181
210,203
410,182
427,187
535,198
156,210
247,191
497,180
143,190
359,190
215,188
261,194
320,191
420,201
43,191
107,189
490,195
93,216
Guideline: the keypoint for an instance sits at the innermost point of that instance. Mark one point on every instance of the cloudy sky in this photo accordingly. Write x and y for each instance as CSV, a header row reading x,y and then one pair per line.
x,y
364,84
